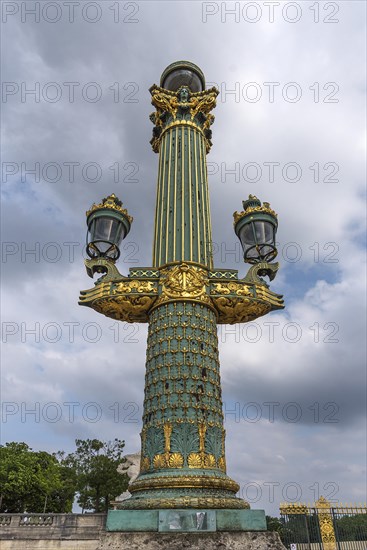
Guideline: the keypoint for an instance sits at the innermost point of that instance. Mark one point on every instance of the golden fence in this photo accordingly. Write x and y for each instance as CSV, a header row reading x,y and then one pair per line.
x,y
328,515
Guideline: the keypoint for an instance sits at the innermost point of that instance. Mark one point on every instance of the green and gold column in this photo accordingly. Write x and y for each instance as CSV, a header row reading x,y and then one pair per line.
x,y
182,221
183,457
183,298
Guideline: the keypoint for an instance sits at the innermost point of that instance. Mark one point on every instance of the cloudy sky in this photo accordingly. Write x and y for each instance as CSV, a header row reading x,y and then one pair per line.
x,y
289,128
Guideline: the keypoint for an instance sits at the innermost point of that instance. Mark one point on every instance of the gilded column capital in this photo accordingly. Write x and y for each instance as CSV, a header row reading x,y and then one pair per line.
x,y
182,108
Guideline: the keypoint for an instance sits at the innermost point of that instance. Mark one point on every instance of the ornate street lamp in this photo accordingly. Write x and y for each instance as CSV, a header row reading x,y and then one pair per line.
x,y
183,298
108,224
256,228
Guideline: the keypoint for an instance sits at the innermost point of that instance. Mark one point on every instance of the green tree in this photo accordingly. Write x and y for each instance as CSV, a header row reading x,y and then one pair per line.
x,y
95,463
352,527
62,500
33,481
274,524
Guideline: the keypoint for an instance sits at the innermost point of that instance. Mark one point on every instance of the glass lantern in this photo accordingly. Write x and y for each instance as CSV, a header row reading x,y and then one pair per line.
x,y
256,228
108,224
183,73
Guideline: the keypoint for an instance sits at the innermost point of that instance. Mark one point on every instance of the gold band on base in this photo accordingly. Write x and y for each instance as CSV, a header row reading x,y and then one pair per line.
x,y
184,502
203,482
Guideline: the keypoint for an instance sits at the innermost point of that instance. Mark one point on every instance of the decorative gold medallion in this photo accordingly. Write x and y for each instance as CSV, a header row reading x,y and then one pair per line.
x,y
195,460
175,460
159,461
183,281
209,461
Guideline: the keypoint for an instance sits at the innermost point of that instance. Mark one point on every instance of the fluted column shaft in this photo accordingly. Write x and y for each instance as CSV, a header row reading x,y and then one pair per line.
x,y
182,222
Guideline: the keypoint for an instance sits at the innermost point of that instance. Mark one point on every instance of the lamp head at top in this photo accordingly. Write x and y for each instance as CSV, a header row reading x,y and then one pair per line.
x,y
108,223
256,227
183,73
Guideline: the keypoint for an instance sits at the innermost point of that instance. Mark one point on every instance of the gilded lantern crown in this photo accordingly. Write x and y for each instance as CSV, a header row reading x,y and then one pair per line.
x,y
252,205
112,203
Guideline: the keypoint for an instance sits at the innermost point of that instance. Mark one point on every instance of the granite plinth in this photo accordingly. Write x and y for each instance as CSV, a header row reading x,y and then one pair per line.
x,y
250,540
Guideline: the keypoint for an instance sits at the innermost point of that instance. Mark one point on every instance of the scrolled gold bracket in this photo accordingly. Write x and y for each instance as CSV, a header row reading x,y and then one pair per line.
x,y
262,269
128,299
132,298
104,266
243,300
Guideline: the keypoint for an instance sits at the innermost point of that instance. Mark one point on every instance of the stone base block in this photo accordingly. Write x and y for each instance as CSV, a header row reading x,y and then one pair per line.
x,y
192,541
176,520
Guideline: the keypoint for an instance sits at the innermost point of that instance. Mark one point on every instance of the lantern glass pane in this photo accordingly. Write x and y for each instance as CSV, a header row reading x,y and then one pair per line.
x,y
182,77
258,240
247,235
264,232
107,229
247,239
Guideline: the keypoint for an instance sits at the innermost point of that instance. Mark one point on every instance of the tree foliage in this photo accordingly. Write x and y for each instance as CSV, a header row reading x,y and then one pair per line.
x,y
95,464
352,527
37,481
274,524
33,481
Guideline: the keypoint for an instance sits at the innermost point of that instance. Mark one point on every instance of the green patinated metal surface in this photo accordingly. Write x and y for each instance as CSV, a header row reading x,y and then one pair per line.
x,y
241,520
183,434
183,298
182,222
148,520
132,520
